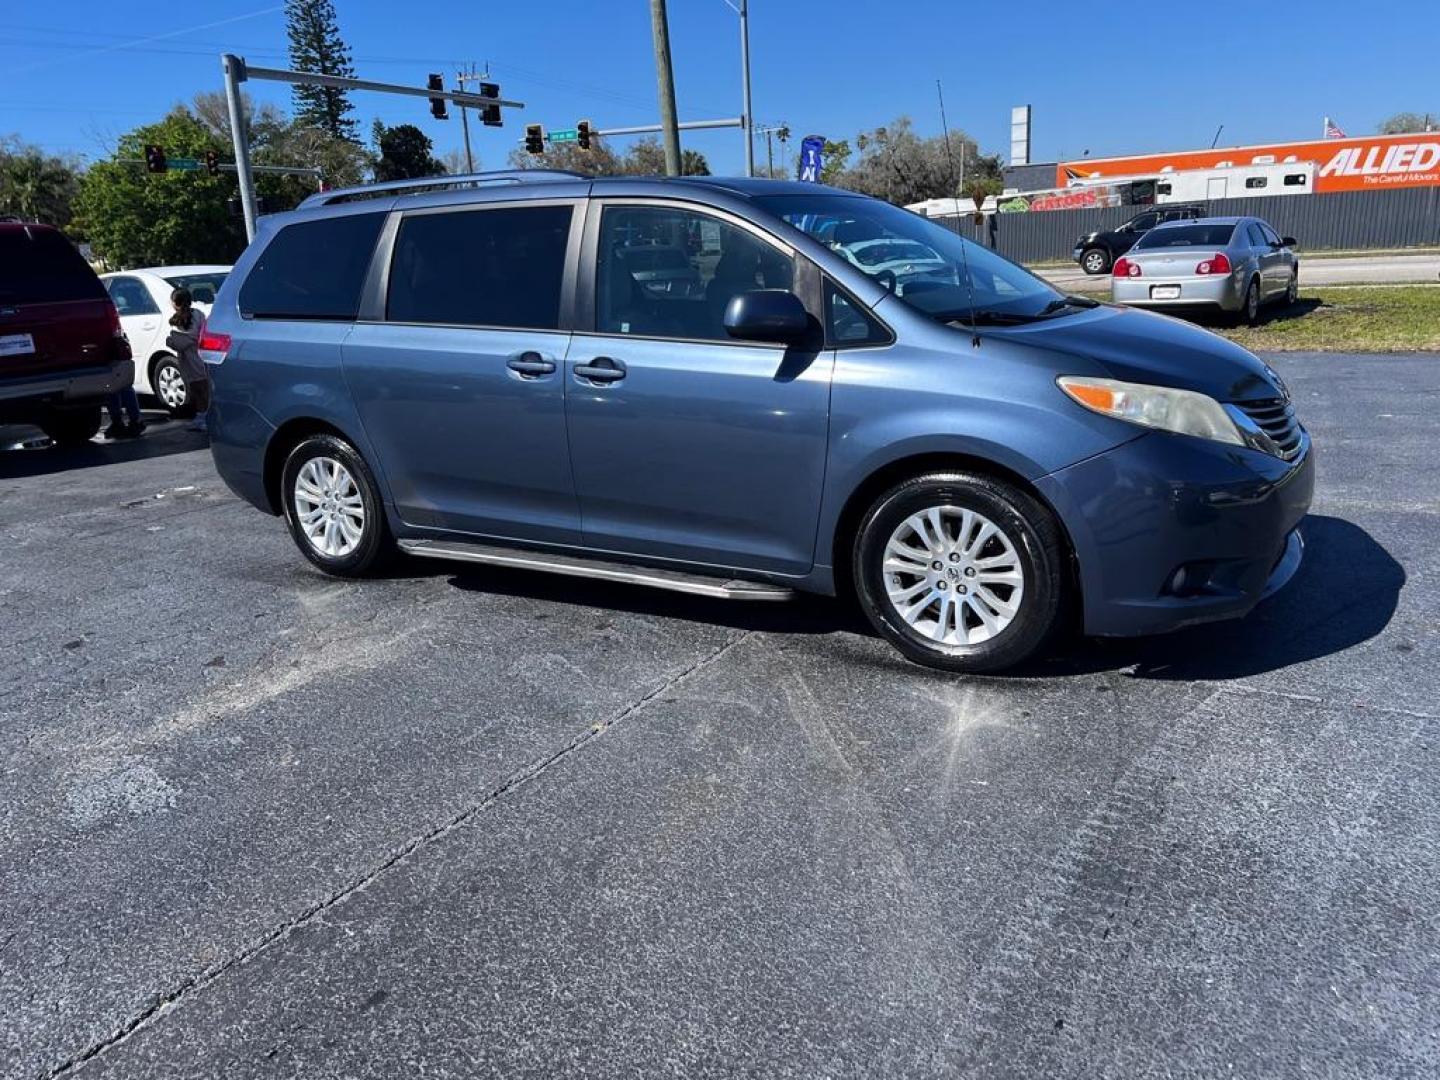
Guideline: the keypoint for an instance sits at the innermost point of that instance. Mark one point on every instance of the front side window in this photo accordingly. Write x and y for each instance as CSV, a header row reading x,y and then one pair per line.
x,y
932,269
1179,236
1144,222
666,271
312,269
501,267
131,297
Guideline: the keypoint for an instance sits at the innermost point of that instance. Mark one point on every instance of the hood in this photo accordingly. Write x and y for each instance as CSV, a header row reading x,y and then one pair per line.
x,y
1143,347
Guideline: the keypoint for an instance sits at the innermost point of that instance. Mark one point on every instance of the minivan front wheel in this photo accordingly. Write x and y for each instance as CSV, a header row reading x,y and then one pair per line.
x,y
333,507
960,571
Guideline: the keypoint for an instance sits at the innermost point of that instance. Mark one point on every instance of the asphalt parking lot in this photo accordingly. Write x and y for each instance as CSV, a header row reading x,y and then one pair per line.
x,y
458,823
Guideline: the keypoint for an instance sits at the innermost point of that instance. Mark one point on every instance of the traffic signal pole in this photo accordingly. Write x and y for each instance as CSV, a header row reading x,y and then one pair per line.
x,y
237,71
234,74
746,116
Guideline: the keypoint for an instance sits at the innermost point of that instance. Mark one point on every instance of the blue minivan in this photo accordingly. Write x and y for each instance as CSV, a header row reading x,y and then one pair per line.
x,y
742,388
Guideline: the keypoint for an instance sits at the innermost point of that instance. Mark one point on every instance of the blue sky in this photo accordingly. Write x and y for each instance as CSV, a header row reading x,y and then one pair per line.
x,y
1100,77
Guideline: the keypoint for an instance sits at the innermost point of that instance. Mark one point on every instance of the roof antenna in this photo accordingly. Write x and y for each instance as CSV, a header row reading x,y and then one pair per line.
x,y
969,283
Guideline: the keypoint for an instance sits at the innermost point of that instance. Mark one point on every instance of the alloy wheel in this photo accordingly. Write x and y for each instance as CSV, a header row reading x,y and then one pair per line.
x,y
329,507
953,576
170,386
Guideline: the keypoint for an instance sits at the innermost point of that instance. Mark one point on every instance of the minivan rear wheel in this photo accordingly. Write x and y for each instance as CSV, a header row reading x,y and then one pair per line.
x,y
333,508
960,571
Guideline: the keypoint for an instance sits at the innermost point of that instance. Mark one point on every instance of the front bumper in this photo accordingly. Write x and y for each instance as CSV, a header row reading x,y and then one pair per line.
x,y
21,399
1223,291
1171,530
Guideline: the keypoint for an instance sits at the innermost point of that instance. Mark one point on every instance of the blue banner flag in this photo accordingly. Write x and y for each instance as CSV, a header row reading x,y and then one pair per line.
x,y
812,158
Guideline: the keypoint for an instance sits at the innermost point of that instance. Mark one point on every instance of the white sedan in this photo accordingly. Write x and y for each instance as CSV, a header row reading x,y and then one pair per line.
x,y
143,299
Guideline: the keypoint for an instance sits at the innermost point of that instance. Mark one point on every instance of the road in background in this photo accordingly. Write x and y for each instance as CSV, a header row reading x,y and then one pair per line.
x,y
1315,270
456,823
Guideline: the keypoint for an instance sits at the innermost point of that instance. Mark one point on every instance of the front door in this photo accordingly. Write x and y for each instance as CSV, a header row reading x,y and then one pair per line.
x,y
142,321
686,443
461,385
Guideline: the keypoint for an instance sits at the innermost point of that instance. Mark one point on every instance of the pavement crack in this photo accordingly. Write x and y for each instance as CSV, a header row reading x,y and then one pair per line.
x,y
171,999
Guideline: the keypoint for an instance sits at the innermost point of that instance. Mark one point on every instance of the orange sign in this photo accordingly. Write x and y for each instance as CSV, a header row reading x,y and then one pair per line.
x,y
1370,163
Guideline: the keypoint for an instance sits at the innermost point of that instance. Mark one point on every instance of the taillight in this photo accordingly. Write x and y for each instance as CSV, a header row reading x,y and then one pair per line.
x,y
1216,264
213,347
114,318
1125,268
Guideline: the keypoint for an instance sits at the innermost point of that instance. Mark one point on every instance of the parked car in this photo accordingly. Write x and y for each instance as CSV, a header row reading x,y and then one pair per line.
x,y
1096,252
143,299
62,351
474,374
1233,264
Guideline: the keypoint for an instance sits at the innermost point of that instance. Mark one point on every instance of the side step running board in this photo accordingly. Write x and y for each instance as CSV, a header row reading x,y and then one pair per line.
x,y
577,566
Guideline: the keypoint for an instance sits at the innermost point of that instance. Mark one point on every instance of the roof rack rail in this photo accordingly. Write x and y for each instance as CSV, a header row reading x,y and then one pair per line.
x,y
421,183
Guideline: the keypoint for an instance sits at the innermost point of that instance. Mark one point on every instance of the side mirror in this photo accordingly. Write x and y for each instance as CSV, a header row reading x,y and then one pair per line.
x,y
1289,241
767,315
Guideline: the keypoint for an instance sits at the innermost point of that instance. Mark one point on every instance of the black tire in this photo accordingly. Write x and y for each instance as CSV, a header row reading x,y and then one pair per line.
x,y
1249,313
1032,532
166,371
1095,261
72,427
375,547
1292,291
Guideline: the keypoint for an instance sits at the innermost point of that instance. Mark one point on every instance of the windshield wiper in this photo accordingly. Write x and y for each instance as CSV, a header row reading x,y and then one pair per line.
x,y
1069,300
988,318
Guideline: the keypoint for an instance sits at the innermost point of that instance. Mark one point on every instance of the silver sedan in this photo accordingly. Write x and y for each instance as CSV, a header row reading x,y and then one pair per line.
x,y
1236,264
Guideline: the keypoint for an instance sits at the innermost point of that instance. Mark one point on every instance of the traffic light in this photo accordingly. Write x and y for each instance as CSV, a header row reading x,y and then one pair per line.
x,y
490,114
212,163
535,138
582,134
437,104
155,158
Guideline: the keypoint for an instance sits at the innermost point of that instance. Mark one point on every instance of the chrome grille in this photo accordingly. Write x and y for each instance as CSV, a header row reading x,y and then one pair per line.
x,y
1276,418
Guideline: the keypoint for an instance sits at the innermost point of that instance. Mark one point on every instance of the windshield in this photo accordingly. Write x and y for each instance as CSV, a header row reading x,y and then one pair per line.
x,y
203,287
881,239
1186,236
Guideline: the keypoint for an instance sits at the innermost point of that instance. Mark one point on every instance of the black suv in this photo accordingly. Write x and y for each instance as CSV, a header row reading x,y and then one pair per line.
x,y
1096,252
61,349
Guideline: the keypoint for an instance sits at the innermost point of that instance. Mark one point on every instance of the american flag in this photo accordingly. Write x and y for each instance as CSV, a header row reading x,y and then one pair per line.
x,y
1332,129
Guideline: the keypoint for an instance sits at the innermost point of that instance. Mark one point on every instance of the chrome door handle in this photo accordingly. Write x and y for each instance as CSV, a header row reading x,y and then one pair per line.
x,y
603,369
530,365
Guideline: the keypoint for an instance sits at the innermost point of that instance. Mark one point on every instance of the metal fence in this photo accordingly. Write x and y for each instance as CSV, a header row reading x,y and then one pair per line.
x,y
1350,220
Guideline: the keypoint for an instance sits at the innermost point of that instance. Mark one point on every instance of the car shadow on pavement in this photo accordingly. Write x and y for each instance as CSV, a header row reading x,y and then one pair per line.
x,y
1344,593
804,614
26,451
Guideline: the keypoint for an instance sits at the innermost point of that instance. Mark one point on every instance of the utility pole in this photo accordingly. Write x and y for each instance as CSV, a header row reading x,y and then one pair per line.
x,y
745,78
460,77
665,80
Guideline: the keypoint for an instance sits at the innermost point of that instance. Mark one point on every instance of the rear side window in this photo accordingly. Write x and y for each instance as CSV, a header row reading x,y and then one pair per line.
x,y
312,270
40,266
1186,236
131,297
501,267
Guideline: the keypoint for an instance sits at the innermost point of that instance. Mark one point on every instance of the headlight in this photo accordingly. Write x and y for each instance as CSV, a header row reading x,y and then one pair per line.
x,y
1181,411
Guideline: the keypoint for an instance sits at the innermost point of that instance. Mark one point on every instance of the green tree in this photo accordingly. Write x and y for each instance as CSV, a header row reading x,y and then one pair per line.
x,y
898,165
134,218
404,153
275,139
316,47
34,185
836,156
1405,122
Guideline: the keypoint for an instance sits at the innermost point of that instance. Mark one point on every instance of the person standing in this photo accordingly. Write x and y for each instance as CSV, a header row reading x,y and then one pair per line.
x,y
187,324
124,409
